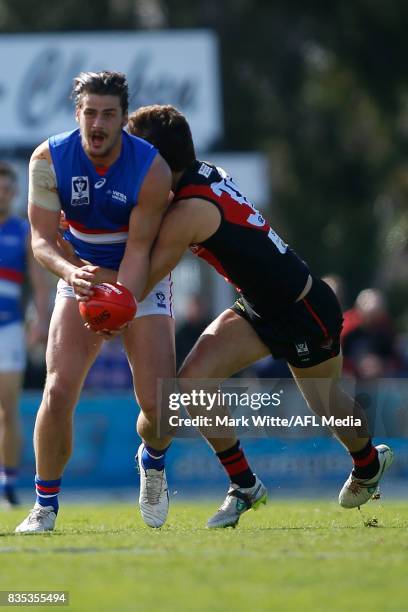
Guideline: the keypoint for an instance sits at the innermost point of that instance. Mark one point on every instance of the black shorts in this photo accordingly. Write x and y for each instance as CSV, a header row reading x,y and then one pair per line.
x,y
306,333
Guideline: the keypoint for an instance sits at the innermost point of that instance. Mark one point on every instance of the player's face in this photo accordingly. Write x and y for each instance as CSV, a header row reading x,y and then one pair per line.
x,y
100,121
7,193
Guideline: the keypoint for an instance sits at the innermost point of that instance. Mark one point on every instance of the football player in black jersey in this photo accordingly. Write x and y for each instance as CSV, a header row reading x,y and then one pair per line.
x,y
282,308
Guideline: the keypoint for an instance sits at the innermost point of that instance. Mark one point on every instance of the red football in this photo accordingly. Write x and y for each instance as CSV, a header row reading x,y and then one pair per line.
x,y
110,307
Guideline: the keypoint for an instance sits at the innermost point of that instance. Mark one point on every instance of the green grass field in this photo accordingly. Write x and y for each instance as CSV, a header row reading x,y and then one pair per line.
x,y
307,555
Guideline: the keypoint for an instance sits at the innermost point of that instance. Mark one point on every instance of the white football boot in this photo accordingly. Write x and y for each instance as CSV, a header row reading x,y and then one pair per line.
x,y
237,502
154,495
357,491
40,519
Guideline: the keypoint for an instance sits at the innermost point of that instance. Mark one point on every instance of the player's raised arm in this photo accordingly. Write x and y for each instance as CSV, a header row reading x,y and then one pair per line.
x,y
144,226
44,210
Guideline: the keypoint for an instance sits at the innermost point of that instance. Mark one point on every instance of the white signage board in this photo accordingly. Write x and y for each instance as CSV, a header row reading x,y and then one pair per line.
x,y
250,172
165,67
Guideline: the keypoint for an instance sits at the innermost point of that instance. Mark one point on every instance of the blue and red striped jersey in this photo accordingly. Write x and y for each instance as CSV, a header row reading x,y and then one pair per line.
x,y
98,206
13,261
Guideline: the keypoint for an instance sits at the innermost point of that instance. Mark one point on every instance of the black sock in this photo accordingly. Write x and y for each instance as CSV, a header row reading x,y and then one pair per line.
x,y
235,464
366,464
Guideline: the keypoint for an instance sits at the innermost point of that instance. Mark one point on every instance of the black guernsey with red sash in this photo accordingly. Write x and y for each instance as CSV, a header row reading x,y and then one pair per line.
x,y
244,248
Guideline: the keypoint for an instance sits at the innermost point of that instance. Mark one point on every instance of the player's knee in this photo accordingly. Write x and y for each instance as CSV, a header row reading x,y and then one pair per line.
x,y
149,406
59,395
193,368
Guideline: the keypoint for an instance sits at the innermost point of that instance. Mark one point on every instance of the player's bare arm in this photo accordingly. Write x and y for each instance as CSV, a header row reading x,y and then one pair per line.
x,y
38,331
144,226
44,211
186,223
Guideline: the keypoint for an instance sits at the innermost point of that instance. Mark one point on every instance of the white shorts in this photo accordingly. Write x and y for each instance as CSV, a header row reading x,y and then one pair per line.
x,y
12,347
158,302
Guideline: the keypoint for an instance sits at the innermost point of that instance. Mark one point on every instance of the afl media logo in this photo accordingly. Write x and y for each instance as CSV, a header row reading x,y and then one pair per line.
x,y
80,191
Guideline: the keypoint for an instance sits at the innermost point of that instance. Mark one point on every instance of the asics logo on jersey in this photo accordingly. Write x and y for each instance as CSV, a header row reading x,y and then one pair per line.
x,y
100,183
80,191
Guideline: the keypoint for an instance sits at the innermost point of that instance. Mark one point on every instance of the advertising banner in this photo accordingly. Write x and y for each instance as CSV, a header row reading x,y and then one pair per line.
x,y
106,444
36,72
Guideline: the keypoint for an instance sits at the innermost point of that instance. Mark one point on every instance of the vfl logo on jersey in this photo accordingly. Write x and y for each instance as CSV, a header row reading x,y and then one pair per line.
x,y
302,349
161,300
80,191
100,183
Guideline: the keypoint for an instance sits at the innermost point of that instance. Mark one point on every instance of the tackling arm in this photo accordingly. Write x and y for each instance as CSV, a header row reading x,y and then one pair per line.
x,y
187,222
144,226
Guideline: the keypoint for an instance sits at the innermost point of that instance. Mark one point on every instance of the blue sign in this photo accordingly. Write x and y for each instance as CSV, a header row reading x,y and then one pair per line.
x,y
105,444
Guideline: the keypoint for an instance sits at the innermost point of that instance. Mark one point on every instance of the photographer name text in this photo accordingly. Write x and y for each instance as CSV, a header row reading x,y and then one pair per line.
x,y
263,421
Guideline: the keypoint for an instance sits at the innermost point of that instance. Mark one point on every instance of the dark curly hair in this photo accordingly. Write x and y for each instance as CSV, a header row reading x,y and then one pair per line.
x,y
167,129
103,83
